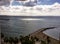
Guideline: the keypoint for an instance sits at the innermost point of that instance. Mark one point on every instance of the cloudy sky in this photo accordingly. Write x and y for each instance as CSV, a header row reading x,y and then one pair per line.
x,y
39,2
39,7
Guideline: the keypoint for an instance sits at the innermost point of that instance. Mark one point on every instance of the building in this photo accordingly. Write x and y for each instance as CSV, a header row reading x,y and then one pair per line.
x,y
49,35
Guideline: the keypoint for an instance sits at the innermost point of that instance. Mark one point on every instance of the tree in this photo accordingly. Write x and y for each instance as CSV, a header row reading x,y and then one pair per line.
x,y
36,38
6,40
43,42
32,38
21,38
2,35
26,40
11,40
48,40
15,40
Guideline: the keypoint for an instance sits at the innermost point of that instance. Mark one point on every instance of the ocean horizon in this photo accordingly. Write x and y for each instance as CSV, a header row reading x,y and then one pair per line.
x,y
15,26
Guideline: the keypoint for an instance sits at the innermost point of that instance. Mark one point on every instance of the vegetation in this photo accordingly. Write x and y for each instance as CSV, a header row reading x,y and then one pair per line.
x,y
43,42
6,40
36,38
15,40
10,40
2,35
26,40
48,40
23,39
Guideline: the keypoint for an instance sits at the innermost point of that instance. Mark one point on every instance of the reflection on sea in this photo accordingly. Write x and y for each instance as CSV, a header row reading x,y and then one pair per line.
x,y
16,26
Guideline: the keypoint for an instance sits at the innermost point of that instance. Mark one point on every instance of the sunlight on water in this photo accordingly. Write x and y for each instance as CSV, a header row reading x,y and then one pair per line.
x,y
17,26
31,19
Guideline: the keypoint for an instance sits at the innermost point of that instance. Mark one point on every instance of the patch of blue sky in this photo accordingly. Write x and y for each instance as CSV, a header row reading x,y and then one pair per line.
x,y
16,3
47,2
40,2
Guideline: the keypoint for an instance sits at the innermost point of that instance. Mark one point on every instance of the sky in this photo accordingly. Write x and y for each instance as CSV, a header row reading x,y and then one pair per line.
x,y
43,7
40,2
48,2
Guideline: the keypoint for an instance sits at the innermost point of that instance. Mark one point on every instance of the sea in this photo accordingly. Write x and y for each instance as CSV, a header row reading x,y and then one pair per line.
x,y
14,26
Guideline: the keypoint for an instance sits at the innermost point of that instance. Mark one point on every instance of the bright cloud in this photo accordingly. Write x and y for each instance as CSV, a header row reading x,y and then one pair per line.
x,y
38,10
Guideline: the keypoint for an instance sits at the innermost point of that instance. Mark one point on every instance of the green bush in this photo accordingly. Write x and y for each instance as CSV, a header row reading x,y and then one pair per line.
x,y
43,42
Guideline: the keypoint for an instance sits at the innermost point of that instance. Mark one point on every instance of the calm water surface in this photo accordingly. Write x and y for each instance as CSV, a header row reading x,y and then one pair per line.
x,y
16,26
